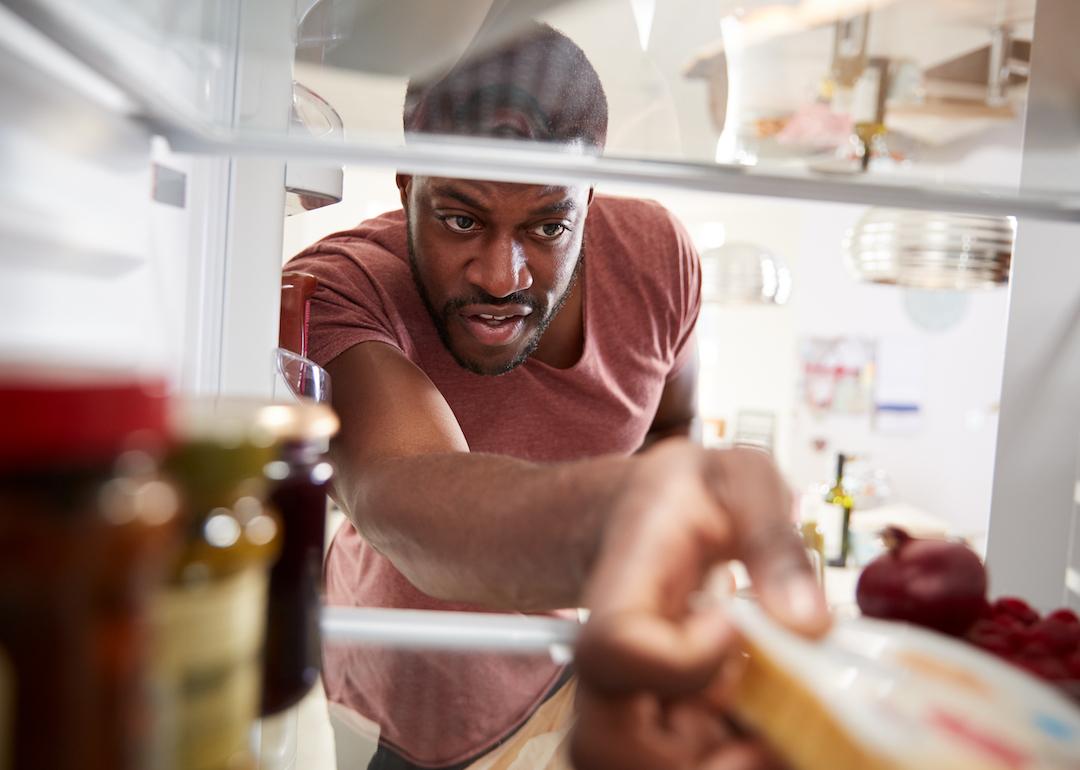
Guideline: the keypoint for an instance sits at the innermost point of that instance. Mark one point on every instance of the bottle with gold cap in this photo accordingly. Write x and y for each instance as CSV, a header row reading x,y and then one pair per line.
x,y
210,617
299,480
839,504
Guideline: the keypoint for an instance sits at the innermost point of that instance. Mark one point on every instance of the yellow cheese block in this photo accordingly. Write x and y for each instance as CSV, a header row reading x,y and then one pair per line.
x,y
875,695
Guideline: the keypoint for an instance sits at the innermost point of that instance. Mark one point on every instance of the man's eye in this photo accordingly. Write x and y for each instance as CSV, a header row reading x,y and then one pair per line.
x,y
460,223
551,230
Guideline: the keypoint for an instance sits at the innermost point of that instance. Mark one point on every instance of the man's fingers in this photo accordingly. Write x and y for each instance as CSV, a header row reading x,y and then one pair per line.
x,y
621,732
783,577
636,649
750,489
697,726
626,732
743,755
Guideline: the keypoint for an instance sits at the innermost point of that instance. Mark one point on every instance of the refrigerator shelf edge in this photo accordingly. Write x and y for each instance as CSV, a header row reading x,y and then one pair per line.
x,y
451,631
509,161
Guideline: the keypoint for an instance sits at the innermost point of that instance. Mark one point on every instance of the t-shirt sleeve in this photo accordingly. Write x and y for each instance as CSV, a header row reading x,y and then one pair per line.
x,y
686,293
350,306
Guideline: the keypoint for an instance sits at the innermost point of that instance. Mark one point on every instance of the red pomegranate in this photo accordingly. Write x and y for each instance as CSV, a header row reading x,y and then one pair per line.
x,y
938,584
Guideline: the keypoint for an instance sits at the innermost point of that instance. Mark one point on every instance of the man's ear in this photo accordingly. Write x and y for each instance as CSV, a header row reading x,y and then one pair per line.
x,y
404,183
592,191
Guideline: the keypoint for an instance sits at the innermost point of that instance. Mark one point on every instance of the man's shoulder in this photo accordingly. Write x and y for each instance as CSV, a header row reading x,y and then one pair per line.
x,y
639,212
636,223
364,266
381,239
638,226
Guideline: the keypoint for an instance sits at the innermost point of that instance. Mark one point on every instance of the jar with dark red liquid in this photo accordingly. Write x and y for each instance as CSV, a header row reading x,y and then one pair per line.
x,y
299,482
86,527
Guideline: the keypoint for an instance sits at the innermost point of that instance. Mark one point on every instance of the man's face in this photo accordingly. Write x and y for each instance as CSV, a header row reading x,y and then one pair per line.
x,y
494,262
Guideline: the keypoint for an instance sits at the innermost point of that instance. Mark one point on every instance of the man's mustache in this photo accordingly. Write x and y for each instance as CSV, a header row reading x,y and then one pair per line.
x,y
483,298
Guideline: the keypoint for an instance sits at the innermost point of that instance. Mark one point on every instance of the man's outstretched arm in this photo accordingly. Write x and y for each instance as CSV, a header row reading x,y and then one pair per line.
x,y
461,526
509,534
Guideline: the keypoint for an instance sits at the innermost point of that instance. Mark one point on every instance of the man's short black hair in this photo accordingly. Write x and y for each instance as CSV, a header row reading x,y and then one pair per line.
x,y
539,85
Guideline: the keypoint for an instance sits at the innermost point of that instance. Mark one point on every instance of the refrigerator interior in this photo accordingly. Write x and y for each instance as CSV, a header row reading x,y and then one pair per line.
x,y
145,220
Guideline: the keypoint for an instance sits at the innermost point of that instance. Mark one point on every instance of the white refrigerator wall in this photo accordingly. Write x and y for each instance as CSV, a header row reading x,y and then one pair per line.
x,y
118,253
95,272
80,284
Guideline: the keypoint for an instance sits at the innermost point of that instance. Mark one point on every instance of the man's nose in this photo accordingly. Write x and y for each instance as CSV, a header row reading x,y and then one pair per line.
x,y
500,267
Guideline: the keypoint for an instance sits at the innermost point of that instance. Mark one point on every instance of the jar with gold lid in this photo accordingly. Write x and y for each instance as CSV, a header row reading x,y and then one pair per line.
x,y
210,617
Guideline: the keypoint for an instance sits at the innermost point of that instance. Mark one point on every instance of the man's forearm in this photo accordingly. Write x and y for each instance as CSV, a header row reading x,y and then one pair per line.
x,y
487,529
690,429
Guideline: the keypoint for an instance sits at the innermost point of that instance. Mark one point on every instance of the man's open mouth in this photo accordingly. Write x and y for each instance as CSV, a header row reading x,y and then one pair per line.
x,y
495,327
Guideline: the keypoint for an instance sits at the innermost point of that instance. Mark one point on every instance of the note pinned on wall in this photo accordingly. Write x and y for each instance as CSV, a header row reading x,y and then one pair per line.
x,y
901,385
837,375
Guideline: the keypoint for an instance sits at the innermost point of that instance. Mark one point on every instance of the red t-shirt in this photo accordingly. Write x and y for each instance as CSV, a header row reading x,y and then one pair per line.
x,y
641,281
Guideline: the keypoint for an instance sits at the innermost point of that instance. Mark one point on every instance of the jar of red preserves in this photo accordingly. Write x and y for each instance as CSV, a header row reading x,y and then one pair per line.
x,y
86,525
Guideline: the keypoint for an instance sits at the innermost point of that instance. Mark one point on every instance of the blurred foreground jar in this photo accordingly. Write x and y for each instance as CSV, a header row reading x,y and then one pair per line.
x,y
85,525
209,618
299,481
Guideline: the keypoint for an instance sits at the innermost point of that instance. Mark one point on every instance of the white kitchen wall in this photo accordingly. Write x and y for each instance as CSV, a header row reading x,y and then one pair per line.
x,y
945,465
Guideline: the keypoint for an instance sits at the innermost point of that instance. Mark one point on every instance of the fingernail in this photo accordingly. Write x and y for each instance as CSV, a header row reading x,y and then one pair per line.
x,y
804,602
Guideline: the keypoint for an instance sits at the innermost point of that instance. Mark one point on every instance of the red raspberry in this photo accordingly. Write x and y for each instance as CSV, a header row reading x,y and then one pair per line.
x,y
984,625
1072,663
1064,615
1051,669
1010,628
1036,649
1059,636
1006,620
1038,656
1017,608
990,641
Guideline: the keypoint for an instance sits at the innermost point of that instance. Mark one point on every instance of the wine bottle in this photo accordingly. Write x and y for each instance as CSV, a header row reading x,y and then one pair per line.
x,y
838,528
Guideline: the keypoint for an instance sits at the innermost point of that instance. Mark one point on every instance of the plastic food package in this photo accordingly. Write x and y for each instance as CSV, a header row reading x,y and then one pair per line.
x,y
878,695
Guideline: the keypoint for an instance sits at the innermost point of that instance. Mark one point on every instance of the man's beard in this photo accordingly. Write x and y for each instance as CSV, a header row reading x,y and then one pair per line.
x,y
442,316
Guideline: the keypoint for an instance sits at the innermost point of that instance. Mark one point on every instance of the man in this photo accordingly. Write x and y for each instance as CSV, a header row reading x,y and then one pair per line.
x,y
500,355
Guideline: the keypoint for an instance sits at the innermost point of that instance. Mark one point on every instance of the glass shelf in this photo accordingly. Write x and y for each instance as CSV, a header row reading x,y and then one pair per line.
x,y
754,98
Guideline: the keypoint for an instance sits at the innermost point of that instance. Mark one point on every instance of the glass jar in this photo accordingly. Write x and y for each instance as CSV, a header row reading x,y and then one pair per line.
x,y
300,480
209,617
85,524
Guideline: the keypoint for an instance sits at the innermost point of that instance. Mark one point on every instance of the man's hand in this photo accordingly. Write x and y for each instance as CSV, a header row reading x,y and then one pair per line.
x,y
652,664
